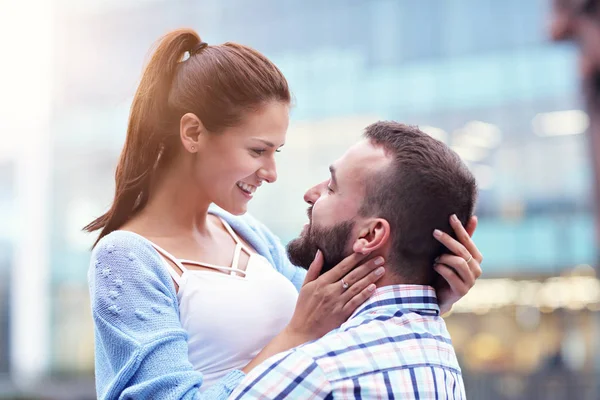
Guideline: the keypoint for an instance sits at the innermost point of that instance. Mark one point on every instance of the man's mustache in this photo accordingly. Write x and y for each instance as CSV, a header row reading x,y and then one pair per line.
x,y
309,214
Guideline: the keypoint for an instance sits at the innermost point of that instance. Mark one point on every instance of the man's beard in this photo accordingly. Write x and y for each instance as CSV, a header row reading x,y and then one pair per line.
x,y
331,241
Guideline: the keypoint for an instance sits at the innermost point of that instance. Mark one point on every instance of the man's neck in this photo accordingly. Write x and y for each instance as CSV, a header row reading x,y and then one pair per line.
x,y
391,278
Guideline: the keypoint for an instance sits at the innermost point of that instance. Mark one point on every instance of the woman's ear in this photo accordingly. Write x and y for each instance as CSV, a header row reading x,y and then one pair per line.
x,y
372,236
190,132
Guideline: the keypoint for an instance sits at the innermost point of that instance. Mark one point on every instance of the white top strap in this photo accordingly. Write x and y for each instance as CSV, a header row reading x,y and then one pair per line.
x,y
217,267
238,248
176,277
235,236
236,258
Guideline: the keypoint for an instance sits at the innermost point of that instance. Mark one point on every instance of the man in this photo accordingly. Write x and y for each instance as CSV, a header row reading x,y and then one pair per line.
x,y
385,197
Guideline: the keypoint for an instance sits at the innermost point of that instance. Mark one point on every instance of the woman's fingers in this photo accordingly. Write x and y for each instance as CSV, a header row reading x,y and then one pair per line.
x,y
461,269
325,302
315,268
464,237
452,244
359,282
359,298
457,285
362,271
342,269
471,225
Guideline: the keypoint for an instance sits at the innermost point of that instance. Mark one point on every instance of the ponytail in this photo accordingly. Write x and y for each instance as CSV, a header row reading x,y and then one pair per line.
x,y
149,118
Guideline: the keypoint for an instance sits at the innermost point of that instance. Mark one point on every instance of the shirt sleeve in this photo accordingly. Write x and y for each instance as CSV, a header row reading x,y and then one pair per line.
x,y
288,375
141,347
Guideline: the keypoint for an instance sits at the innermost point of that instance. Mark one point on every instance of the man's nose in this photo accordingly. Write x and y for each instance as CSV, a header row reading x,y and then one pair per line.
x,y
313,194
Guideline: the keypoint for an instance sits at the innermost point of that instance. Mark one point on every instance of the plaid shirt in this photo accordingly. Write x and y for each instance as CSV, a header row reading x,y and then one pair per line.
x,y
394,346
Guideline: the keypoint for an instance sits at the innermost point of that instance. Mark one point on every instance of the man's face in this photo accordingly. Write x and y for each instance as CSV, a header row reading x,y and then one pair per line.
x,y
334,223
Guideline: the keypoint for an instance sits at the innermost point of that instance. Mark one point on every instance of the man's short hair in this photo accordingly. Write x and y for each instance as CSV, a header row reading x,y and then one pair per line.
x,y
425,183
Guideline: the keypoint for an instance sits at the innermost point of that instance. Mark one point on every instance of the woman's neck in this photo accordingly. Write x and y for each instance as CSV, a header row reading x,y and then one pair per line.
x,y
174,208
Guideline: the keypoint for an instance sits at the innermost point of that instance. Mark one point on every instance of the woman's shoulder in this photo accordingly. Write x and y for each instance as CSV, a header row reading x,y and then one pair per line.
x,y
123,242
128,254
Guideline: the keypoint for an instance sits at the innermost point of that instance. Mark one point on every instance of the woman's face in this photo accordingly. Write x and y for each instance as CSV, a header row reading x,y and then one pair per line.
x,y
232,165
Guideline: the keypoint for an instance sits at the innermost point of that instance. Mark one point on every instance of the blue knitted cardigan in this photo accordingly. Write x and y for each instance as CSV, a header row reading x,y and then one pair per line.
x,y
140,347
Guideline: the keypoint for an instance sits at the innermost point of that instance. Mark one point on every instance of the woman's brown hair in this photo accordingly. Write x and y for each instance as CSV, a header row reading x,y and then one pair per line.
x,y
219,84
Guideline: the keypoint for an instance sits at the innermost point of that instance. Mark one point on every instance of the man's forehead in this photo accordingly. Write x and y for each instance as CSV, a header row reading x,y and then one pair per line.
x,y
362,159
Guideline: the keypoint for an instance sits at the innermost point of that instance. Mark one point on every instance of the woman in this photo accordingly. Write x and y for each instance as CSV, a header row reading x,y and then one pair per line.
x,y
179,285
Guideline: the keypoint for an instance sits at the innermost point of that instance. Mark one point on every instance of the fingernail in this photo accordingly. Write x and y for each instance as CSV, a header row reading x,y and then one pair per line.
x,y
436,260
371,287
454,218
379,261
379,271
437,233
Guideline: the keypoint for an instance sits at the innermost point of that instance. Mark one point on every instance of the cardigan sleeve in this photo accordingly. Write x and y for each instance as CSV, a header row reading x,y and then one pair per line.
x,y
141,348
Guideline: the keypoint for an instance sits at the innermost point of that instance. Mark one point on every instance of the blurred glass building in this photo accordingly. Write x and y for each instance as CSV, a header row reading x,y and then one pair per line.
x,y
479,75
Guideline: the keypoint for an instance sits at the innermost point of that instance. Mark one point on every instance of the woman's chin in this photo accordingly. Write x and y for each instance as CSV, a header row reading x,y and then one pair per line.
x,y
235,209
239,212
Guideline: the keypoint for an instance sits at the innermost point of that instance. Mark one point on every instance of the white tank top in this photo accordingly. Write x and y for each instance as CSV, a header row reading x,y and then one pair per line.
x,y
231,316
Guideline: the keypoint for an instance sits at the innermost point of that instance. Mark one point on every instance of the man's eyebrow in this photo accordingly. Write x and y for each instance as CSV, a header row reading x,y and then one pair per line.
x,y
266,142
332,171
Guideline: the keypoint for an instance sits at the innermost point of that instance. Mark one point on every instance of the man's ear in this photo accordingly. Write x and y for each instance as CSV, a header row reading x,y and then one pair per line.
x,y
190,132
372,236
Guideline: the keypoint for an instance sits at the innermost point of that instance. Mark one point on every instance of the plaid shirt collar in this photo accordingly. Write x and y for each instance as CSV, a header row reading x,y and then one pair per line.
x,y
420,298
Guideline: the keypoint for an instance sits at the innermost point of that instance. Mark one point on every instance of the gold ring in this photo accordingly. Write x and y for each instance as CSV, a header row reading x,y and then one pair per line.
x,y
469,260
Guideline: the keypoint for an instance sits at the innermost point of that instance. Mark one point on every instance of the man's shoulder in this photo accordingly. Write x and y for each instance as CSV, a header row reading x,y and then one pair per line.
x,y
361,331
399,341
341,350
371,355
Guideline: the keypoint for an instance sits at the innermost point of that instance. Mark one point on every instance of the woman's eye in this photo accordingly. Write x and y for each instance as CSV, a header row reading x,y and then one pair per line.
x,y
329,189
258,152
